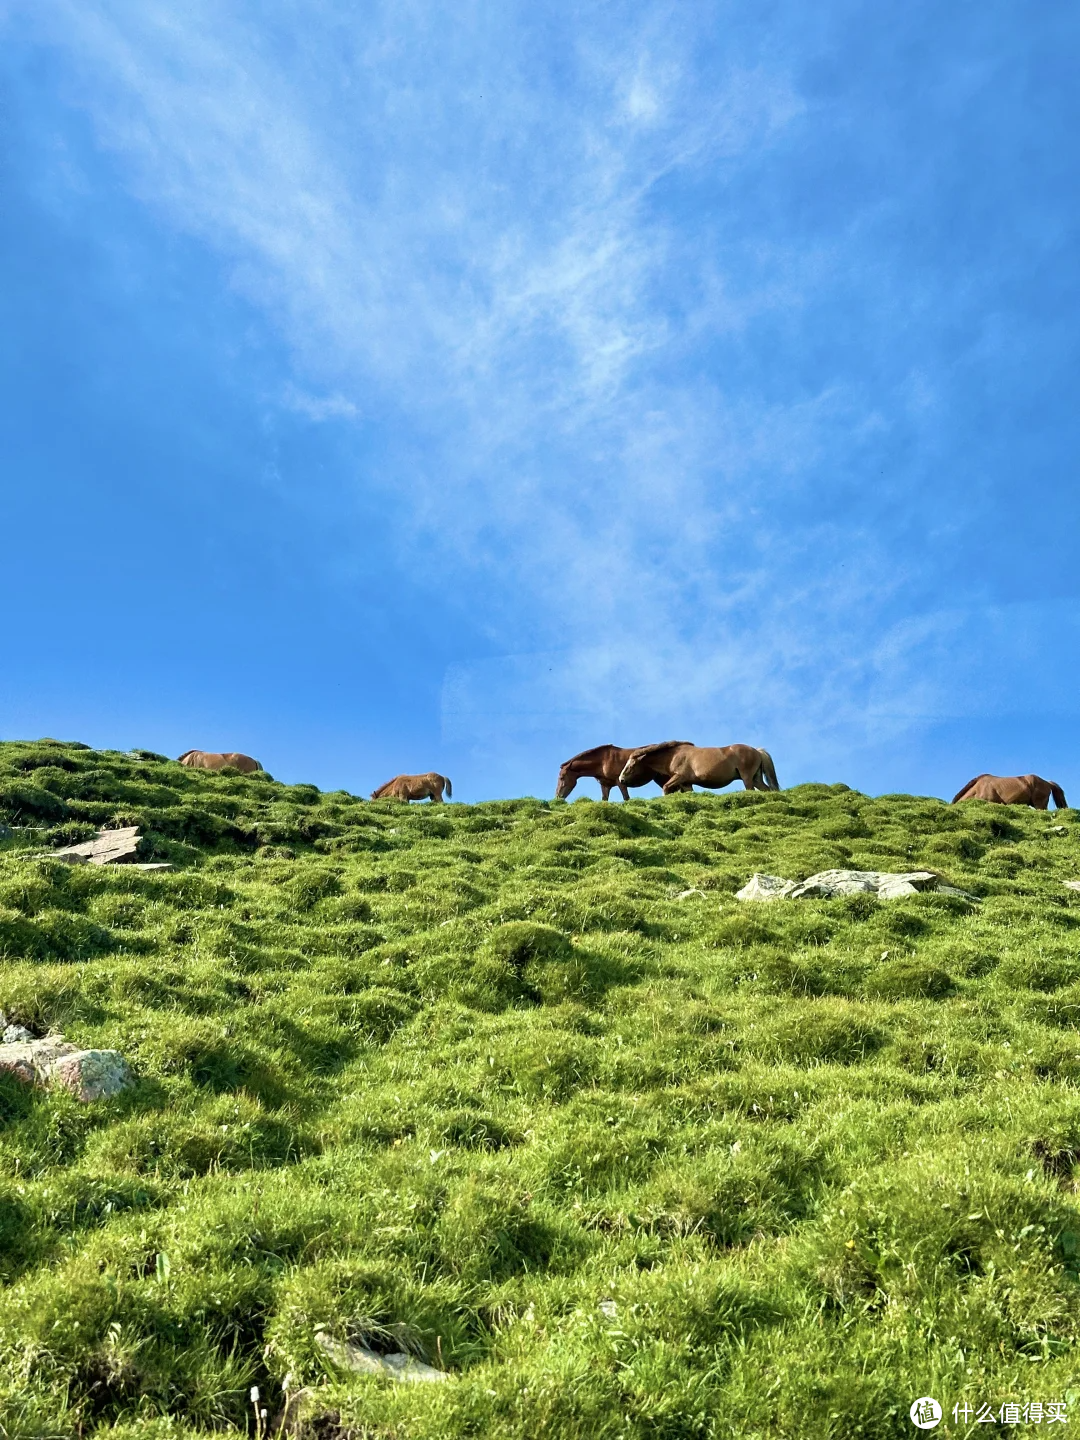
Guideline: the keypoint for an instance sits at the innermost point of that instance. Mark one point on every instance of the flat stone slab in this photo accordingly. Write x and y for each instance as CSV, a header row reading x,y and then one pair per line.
x,y
107,848
829,884
88,1074
362,1361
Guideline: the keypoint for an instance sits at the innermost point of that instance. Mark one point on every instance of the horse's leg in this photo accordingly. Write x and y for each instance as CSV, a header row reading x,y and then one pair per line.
x,y
625,791
605,789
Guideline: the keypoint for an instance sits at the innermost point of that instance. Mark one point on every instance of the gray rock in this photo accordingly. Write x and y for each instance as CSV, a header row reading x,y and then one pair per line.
x,y
15,1034
892,887
92,1074
765,887
31,1060
1071,884
107,848
362,1361
829,884
88,1074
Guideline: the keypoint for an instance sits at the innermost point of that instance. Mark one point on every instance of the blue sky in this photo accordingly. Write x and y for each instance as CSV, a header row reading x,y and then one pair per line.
x,y
395,387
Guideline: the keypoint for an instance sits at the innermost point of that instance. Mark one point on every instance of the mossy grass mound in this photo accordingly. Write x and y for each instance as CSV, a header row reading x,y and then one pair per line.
x,y
522,1089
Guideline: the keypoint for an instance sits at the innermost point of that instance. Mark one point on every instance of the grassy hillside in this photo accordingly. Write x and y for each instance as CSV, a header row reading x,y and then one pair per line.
x,y
475,1081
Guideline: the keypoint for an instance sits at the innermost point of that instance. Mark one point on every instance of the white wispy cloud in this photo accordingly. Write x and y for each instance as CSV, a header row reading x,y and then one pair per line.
x,y
435,224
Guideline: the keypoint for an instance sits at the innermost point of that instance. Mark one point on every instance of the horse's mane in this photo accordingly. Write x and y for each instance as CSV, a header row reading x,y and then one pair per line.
x,y
588,754
965,788
643,750
184,756
376,793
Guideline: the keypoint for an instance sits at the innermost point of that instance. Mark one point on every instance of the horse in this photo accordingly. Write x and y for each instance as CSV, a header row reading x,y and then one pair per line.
x,y
415,787
603,763
684,766
207,760
1030,790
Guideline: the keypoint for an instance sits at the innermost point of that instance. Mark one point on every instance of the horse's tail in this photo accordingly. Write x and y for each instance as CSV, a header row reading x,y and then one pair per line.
x,y
449,787
965,788
1059,796
768,769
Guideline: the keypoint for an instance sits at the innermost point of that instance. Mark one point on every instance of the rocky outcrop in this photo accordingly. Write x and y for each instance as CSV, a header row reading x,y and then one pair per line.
x,y
765,887
829,884
92,1074
52,1060
362,1361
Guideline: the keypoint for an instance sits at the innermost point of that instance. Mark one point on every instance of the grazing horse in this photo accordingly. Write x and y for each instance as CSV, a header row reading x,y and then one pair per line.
x,y
684,766
415,787
1013,790
604,763
207,760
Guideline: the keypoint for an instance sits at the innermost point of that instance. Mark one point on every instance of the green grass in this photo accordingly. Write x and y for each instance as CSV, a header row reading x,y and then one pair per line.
x,y
456,1078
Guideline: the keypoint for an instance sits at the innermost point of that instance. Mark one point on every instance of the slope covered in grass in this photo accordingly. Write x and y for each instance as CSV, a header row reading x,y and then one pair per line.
x,y
474,1081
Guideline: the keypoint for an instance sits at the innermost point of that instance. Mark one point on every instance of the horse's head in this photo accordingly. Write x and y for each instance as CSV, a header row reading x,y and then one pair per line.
x,y
567,781
635,772
649,762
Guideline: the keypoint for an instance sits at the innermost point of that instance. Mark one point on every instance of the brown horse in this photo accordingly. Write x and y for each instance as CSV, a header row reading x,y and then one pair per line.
x,y
207,760
1013,790
603,763
414,787
684,766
